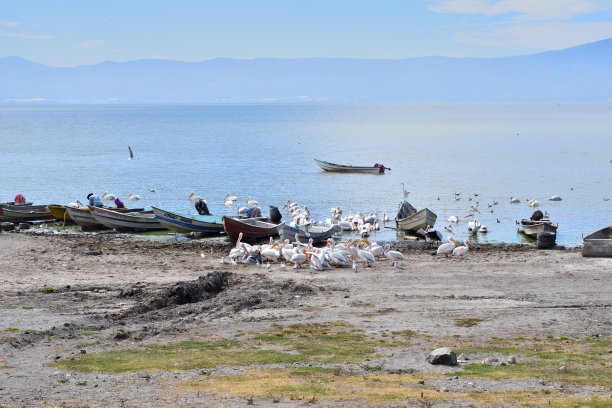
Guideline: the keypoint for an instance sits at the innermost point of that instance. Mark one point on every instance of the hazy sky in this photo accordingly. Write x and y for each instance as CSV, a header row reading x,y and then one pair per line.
x,y
68,33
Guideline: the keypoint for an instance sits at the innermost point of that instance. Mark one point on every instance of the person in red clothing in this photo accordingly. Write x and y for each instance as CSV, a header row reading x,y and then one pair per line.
x,y
20,199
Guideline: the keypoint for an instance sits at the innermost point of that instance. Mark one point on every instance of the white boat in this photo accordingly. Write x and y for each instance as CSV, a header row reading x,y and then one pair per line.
x,y
318,233
409,219
598,244
531,227
347,168
143,221
83,216
188,223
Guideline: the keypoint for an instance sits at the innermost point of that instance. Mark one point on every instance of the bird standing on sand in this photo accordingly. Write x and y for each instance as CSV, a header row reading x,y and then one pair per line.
x,y
460,251
165,264
447,247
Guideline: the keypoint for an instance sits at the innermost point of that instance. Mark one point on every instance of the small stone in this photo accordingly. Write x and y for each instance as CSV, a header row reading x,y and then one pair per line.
x,y
489,360
442,355
503,363
24,226
455,378
422,382
462,357
562,369
511,360
83,351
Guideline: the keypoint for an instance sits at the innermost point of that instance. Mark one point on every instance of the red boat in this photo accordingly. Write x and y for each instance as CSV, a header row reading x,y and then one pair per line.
x,y
251,228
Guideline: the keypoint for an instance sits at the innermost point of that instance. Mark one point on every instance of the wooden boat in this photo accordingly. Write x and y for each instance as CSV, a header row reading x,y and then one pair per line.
x,y
12,203
344,168
141,221
531,228
189,223
25,213
59,212
598,244
85,218
251,228
419,220
318,233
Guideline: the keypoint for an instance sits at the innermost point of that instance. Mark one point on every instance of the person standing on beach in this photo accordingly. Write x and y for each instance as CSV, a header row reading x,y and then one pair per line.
x,y
95,201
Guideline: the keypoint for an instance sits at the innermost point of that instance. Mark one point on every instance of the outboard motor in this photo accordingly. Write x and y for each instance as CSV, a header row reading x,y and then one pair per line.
x,y
275,215
537,216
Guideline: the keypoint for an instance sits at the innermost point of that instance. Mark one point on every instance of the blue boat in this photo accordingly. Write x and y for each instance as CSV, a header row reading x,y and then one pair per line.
x,y
189,223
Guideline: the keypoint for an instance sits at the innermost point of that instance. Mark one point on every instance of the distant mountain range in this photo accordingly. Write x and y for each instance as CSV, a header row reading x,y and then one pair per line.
x,y
582,73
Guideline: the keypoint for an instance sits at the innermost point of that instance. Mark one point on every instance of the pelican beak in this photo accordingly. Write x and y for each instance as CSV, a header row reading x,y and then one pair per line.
x,y
469,244
469,215
454,242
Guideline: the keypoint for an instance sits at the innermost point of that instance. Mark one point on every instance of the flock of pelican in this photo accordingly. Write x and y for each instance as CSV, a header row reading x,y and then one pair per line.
x,y
452,247
353,252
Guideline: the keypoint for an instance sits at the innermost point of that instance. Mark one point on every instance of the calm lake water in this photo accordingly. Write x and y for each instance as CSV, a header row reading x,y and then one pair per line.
x,y
58,154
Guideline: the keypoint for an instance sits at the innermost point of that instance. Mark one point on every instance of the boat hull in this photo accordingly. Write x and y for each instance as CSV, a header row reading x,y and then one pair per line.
x,y
250,228
25,213
532,228
136,221
316,232
341,168
598,244
59,212
83,216
189,223
419,220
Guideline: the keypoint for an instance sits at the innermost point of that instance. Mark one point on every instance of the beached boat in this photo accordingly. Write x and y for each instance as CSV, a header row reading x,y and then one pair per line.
x,y
251,228
188,223
598,244
532,227
59,212
85,218
141,221
318,233
347,168
25,213
12,203
409,219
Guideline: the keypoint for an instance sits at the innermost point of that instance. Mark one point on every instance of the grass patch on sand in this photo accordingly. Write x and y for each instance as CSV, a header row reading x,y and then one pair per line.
x,y
468,322
322,343
587,362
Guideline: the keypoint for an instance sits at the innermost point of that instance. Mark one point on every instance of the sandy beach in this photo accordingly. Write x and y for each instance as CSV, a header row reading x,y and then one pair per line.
x,y
69,298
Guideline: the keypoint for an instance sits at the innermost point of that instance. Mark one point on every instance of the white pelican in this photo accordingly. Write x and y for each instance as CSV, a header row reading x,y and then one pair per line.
x,y
533,203
366,255
194,198
315,261
393,255
474,225
453,218
76,204
554,198
251,203
298,259
460,251
447,247
270,253
514,200
449,229
227,201
483,228
405,192
108,197
132,197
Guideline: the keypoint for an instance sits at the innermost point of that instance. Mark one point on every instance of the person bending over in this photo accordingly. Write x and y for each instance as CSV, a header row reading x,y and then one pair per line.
x,y
95,201
201,207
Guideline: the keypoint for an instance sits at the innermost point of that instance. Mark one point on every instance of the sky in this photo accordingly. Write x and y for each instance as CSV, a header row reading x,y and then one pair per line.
x,y
85,32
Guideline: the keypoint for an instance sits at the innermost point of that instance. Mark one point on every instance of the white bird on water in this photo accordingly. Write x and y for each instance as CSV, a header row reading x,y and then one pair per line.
x,y
514,200
554,198
132,197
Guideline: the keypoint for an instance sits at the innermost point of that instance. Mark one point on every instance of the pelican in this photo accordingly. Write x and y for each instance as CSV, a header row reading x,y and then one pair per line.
x,y
405,192
474,225
229,200
108,197
554,198
483,228
533,203
194,198
133,197
447,247
251,203
366,255
514,200
460,251
449,229
453,218
76,204
393,255
298,259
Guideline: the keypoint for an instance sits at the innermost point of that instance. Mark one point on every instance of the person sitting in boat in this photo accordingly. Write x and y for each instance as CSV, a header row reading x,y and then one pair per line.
x,y
95,201
253,212
20,199
119,203
201,207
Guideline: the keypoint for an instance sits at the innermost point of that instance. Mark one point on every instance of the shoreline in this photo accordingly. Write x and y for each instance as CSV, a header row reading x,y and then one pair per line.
x,y
111,294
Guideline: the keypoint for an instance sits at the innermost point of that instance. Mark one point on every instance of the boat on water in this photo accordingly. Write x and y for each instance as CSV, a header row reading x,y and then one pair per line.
x,y
131,221
251,228
83,216
317,233
347,168
598,244
25,213
12,203
189,223
409,219
531,228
